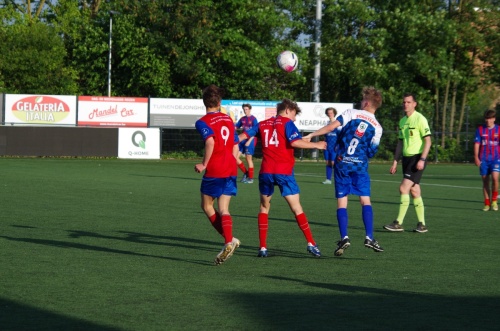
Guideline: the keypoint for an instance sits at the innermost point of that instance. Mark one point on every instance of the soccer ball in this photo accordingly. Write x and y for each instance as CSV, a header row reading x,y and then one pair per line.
x,y
287,61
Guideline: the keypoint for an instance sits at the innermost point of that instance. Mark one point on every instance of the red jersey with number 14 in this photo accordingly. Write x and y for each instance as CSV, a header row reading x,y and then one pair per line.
x,y
276,136
222,163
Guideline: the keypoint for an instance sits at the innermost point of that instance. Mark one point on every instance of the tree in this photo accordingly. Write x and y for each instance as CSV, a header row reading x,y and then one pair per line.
x,y
32,57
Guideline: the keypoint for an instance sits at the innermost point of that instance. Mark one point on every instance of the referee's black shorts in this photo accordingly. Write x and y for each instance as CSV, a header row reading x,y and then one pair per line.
x,y
410,170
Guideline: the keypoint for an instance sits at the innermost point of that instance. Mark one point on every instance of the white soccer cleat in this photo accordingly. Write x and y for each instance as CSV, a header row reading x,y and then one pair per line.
x,y
227,251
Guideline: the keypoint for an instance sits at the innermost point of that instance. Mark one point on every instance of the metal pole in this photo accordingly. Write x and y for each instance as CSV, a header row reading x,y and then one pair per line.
x,y
317,49
109,56
317,64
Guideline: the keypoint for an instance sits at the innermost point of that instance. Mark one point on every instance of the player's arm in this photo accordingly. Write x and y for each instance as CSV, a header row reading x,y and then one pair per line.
x,y
249,141
425,152
209,149
397,156
300,143
248,133
324,130
374,143
477,161
477,144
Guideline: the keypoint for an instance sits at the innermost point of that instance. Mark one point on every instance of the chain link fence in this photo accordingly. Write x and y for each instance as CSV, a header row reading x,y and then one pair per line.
x,y
187,143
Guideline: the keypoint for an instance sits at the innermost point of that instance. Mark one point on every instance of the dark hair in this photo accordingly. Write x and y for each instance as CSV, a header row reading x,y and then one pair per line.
x,y
287,104
373,95
489,114
246,105
406,95
212,96
331,108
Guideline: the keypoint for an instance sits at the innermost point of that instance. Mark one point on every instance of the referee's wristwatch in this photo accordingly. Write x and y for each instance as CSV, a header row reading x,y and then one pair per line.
x,y
423,159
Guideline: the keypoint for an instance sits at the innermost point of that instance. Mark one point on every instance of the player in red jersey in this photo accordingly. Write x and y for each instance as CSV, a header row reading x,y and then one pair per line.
x,y
279,136
219,163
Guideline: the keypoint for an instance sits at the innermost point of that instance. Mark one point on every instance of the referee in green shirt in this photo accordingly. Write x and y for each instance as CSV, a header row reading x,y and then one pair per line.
x,y
414,143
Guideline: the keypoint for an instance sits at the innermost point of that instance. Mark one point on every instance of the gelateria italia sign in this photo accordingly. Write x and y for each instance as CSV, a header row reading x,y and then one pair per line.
x,y
40,109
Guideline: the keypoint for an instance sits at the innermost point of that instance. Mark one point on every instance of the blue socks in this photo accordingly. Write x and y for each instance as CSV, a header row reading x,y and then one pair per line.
x,y
367,212
342,219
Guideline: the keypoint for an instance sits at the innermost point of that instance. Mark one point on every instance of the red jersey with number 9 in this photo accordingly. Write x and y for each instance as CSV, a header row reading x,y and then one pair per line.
x,y
222,163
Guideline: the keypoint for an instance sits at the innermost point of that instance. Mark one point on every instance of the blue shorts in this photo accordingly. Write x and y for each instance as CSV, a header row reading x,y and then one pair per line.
x,y
487,167
329,154
247,150
351,182
286,184
215,187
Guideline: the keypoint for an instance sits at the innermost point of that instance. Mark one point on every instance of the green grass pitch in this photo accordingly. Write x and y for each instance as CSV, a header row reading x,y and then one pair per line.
x,y
123,245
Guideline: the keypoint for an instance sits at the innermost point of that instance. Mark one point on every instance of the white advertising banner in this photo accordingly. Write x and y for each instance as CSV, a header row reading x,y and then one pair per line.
x,y
175,113
260,109
183,113
310,119
112,111
313,115
29,109
139,143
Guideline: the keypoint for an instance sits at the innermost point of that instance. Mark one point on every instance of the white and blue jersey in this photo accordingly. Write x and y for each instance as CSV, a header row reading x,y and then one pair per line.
x,y
357,142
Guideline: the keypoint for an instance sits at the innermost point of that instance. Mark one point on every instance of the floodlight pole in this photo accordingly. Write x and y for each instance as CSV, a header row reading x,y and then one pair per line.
x,y
111,13
317,48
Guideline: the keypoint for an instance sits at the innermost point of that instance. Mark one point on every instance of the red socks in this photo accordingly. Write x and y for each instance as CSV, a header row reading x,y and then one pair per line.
x,y
250,173
227,228
263,222
304,226
216,222
242,167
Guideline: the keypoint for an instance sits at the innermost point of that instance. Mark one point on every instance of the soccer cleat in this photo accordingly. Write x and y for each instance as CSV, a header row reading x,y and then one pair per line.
x,y
327,181
244,179
262,252
227,251
394,227
342,245
486,208
421,228
314,250
248,181
373,244
494,206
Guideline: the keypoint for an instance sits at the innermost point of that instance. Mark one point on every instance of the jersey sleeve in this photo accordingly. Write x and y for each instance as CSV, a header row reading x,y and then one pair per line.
x,y
424,127
291,132
238,124
345,117
373,148
477,137
252,132
204,130
400,131
255,122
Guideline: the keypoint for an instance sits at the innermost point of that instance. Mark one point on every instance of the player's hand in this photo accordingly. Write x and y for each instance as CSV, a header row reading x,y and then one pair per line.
x,y
420,165
477,162
199,167
394,168
321,144
307,138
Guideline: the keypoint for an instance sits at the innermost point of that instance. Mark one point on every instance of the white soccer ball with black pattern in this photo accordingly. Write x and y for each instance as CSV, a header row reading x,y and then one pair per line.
x,y
288,61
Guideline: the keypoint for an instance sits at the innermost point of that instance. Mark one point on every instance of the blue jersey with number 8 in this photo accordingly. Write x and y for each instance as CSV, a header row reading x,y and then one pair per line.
x,y
359,139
